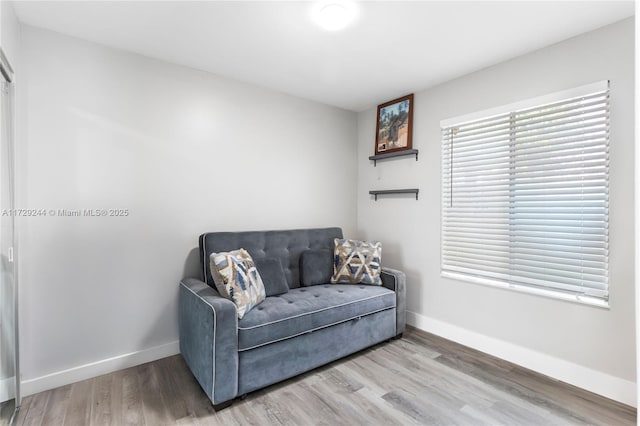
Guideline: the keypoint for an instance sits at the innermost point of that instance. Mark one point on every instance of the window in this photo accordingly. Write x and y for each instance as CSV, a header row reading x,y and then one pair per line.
x,y
525,201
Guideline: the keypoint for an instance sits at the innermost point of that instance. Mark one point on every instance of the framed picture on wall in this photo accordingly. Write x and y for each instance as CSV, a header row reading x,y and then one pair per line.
x,y
394,124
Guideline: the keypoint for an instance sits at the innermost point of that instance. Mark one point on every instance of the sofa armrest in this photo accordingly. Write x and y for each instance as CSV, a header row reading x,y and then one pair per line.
x,y
396,280
208,325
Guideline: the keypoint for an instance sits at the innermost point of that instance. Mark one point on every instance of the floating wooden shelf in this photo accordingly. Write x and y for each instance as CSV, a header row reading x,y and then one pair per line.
x,y
375,158
394,191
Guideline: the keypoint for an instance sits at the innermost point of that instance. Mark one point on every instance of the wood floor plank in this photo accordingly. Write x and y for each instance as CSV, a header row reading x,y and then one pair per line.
x,y
342,382
513,388
199,409
425,374
32,410
414,348
57,404
277,400
528,387
379,407
78,410
257,412
131,399
340,402
573,398
172,395
318,411
343,392
101,406
405,403
22,411
282,412
419,379
115,399
154,409
370,382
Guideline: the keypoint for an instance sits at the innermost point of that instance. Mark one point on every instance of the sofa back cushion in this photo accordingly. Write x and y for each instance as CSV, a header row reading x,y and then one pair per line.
x,y
284,245
272,275
316,266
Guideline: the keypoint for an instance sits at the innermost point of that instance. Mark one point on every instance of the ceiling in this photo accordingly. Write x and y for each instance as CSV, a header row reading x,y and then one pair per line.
x,y
391,49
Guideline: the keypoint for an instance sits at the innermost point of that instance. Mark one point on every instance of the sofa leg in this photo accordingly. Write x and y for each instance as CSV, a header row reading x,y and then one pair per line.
x,y
222,405
398,336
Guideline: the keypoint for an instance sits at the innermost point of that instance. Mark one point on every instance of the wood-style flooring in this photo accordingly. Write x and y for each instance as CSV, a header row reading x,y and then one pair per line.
x,y
419,379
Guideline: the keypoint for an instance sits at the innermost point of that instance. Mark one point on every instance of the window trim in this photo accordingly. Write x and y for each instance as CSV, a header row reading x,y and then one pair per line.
x,y
500,110
549,294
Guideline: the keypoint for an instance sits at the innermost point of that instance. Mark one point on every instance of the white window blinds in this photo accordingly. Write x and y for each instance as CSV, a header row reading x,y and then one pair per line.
x,y
525,196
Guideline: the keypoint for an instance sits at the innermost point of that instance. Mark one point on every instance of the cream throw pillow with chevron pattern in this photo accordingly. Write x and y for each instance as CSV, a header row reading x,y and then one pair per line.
x,y
356,262
237,278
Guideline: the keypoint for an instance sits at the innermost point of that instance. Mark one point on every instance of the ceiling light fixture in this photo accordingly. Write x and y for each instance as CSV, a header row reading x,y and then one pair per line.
x,y
333,15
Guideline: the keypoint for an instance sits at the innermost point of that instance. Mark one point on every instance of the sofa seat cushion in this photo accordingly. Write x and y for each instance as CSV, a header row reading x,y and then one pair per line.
x,y
306,309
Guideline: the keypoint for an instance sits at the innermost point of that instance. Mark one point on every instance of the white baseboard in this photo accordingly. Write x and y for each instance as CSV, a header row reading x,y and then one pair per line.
x,y
583,377
97,368
7,389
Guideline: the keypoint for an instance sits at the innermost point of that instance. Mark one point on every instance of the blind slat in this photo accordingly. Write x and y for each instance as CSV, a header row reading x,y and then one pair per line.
x,y
576,120
587,101
595,132
558,249
592,139
568,258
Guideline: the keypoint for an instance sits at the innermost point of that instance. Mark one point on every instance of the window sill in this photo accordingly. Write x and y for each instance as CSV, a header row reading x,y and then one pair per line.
x,y
557,295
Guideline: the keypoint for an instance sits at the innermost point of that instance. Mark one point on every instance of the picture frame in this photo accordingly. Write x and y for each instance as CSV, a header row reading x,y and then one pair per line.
x,y
394,124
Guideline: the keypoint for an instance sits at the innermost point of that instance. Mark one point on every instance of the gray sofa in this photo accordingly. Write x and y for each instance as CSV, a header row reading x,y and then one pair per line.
x,y
287,334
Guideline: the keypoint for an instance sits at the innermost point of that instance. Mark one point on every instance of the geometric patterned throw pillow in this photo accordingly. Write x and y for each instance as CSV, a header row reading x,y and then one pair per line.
x,y
356,262
237,279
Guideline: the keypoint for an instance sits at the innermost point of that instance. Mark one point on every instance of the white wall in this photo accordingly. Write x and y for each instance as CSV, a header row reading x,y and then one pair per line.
x,y
186,152
588,346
